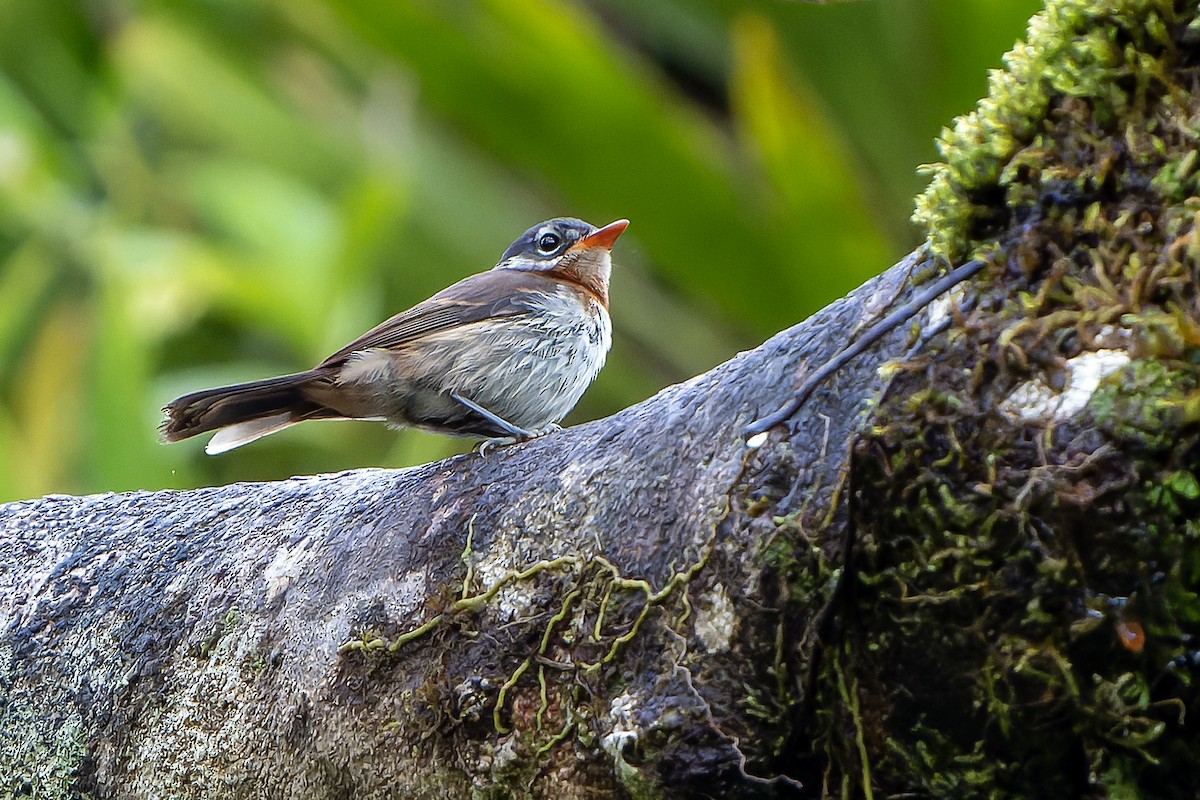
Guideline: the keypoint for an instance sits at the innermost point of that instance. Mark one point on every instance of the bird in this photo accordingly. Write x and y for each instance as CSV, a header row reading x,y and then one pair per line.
x,y
502,355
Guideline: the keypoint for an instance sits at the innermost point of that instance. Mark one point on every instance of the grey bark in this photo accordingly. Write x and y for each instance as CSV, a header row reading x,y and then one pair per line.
x,y
247,640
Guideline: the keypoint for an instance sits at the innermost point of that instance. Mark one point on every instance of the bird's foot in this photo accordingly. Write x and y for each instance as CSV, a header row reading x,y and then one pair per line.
x,y
553,427
488,445
515,434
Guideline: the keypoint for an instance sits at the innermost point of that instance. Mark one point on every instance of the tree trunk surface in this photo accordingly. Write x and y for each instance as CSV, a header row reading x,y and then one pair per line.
x,y
968,566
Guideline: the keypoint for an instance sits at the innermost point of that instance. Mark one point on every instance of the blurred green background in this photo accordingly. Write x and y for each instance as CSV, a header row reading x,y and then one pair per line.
x,y
196,193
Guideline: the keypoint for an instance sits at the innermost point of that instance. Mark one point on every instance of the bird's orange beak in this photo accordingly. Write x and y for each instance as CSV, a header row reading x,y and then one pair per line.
x,y
605,237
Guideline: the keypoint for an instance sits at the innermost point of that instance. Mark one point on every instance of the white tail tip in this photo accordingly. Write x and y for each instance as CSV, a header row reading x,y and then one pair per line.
x,y
242,433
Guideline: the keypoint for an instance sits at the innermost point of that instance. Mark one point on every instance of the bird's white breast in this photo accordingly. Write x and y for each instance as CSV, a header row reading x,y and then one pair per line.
x,y
532,370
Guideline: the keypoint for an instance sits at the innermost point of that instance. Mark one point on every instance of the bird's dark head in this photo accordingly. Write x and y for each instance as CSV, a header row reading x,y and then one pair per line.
x,y
569,248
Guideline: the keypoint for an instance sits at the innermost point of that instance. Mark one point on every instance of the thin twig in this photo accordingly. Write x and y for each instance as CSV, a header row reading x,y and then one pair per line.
x,y
872,335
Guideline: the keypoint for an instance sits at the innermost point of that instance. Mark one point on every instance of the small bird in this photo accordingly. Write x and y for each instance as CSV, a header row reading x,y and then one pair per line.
x,y
502,355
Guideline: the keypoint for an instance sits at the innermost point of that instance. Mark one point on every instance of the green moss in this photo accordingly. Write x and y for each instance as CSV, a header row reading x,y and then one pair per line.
x,y
1109,52
1027,600
581,621
637,783
43,751
1144,404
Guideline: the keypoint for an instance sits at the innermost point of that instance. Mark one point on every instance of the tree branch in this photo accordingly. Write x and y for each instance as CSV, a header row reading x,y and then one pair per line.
x,y
567,614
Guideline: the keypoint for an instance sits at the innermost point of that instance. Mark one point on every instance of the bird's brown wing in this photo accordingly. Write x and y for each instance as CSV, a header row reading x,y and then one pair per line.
x,y
488,295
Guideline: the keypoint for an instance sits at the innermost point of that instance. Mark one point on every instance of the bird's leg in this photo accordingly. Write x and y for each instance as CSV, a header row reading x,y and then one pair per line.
x,y
495,419
515,434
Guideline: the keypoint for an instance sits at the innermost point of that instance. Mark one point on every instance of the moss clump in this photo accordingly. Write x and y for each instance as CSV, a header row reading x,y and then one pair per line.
x,y
1143,405
1111,54
1026,613
1026,617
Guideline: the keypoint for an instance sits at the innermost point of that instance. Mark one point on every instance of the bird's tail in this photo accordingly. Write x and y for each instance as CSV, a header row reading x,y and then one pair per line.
x,y
243,412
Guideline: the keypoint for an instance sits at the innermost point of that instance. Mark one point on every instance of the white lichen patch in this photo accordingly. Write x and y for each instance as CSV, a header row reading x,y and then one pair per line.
x,y
714,619
506,755
624,729
495,566
403,597
940,309
1036,401
287,565
576,480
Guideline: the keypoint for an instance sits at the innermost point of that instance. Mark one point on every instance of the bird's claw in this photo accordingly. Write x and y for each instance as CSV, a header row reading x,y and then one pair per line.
x,y
488,445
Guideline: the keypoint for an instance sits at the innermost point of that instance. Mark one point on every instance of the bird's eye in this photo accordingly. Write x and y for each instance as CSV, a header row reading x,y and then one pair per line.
x,y
549,242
